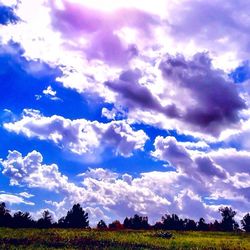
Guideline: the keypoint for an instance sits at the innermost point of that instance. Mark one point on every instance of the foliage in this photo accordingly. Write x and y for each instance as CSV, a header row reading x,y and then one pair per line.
x,y
101,225
75,218
202,225
5,217
22,220
116,225
246,222
136,222
45,221
228,223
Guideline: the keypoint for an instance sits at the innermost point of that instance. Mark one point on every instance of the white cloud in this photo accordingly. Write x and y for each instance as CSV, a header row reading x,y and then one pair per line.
x,y
111,195
26,195
14,199
87,64
30,171
80,136
49,91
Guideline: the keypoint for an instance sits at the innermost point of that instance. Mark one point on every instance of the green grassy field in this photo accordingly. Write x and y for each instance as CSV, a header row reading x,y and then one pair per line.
x,y
94,239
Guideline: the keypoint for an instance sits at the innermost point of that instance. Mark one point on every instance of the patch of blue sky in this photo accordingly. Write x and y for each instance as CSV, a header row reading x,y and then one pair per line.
x,y
219,201
20,86
7,15
241,73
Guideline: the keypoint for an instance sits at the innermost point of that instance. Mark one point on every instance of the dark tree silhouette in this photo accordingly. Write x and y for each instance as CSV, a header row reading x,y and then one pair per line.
x,y
172,222
127,223
78,218
101,225
246,222
202,225
5,217
189,225
22,220
215,226
75,218
158,225
45,221
228,223
61,222
137,222
116,225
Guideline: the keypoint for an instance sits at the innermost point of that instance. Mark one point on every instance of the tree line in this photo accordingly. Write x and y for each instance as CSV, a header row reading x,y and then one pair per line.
x,y
76,217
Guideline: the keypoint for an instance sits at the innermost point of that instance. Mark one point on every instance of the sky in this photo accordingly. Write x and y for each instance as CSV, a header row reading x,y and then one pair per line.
x,y
125,107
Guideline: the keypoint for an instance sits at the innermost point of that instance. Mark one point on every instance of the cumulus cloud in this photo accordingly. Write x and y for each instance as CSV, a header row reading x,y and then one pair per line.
x,y
137,96
111,194
99,174
202,86
14,199
103,191
222,171
30,171
149,61
190,96
80,136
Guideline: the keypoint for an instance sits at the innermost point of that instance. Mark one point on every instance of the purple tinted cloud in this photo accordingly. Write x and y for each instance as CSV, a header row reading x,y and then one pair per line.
x,y
212,24
208,167
136,96
77,21
216,102
210,101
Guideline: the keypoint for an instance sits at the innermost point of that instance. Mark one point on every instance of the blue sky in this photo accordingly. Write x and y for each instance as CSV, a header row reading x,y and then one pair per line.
x,y
147,114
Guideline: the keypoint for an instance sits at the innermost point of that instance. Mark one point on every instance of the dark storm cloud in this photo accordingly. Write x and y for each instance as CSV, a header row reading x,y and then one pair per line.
x,y
208,167
205,98
214,100
135,95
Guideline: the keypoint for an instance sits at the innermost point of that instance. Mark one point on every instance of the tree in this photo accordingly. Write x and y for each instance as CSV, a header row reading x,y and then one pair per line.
x,y
215,226
116,225
76,218
137,222
158,225
189,225
172,222
22,220
101,225
45,221
127,223
61,222
228,223
246,222
5,217
202,225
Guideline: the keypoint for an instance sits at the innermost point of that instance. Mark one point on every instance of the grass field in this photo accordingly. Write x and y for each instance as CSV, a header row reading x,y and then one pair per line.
x,y
94,239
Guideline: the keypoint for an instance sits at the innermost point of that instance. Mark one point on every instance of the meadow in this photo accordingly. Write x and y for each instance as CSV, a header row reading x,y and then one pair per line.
x,y
123,239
